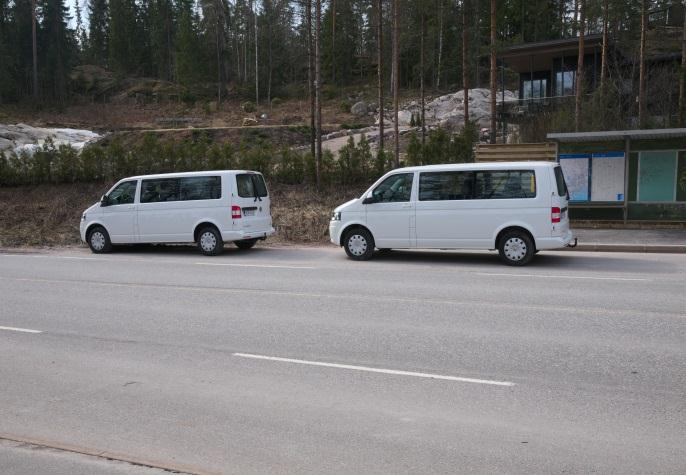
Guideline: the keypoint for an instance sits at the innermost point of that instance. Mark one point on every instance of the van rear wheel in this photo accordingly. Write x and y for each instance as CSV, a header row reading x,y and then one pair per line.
x,y
516,248
245,243
359,244
210,242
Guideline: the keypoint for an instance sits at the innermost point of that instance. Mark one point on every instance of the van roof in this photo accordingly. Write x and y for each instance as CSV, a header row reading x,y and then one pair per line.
x,y
186,174
478,166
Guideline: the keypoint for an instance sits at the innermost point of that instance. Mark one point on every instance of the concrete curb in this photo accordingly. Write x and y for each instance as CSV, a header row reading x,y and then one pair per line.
x,y
639,248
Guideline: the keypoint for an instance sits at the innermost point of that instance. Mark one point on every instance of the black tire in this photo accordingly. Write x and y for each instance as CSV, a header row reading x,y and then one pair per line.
x,y
245,243
359,244
99,240
516,248
210,242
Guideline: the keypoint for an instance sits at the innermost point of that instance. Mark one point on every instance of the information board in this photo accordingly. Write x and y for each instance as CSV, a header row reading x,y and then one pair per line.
x,y
575,170
607,176
657,176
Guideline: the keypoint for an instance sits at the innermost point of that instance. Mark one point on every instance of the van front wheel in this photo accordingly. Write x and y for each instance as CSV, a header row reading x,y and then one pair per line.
x,y
359,244
210,242
99,240
516,248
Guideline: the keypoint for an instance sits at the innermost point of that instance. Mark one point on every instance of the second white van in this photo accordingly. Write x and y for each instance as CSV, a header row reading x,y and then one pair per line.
x,y
206,208
517,208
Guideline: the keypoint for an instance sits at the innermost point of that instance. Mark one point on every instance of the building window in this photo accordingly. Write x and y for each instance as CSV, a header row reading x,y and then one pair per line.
x,y
535,89
564,83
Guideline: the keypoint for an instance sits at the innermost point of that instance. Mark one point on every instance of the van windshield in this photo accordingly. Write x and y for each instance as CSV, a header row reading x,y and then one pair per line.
x,y
561,185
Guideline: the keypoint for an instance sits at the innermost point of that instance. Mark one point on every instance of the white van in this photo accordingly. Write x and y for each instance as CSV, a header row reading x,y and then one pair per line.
x,y
517,208
207,208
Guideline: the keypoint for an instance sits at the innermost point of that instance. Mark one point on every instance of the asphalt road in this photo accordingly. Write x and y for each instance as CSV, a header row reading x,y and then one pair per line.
x,y
292,360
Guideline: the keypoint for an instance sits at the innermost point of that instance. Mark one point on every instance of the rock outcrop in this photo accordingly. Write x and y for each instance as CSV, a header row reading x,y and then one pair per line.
x,y
24,138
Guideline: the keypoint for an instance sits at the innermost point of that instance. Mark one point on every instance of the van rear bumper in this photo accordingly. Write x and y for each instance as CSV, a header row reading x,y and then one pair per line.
x,y
557,242
229,236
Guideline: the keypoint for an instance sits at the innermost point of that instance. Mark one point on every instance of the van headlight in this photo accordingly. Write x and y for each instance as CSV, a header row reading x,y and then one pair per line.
x,y
336,216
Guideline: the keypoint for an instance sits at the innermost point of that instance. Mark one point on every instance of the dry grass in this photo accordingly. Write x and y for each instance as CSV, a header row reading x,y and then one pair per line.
x,y
48,215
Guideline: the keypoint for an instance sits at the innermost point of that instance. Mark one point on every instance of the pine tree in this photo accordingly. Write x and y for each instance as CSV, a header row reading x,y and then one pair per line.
x,y
98,29
58,47
188,62
122,37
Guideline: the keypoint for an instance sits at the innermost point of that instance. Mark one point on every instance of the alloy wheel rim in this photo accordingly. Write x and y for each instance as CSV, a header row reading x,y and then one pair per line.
x,y
515,249
208,242
98,241
357,245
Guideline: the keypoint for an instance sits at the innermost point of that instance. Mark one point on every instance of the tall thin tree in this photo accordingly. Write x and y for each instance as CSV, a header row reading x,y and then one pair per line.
x,y
310,75
682,85
318,88
642,67
580,65
603,62
34,49
421,73
379,71
465,62
493,71
396,75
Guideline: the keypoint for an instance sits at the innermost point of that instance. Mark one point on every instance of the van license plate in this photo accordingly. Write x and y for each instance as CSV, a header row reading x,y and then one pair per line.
x,y
248,211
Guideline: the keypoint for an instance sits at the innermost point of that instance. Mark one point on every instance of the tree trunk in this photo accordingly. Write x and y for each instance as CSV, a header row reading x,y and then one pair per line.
x,y
257,64
380,72
682,86
440,44
580,65
333,42
465,62
35,49
563,24
575,22
269,14
603,64
493,71
642,68
310,76
421,76
396,74
318,89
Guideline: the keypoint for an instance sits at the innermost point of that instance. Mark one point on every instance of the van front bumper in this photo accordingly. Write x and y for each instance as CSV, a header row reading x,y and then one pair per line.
x,y
557,242
335,232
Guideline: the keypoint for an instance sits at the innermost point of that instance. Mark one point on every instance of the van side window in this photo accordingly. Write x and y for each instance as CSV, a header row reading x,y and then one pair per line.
x,y
504,184
441,186
200,188
394,189
251,185
160,189
123,194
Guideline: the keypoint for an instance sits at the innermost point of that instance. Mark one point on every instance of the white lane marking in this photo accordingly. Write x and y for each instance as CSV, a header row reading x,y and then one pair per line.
x,y
581,277
22,330
375,370
160,261
268,266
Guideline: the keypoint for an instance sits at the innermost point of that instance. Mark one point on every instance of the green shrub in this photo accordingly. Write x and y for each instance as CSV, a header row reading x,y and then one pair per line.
x,y
248,107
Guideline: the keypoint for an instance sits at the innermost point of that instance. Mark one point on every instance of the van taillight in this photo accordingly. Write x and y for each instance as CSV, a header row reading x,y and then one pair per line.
x,y
555,214
235,212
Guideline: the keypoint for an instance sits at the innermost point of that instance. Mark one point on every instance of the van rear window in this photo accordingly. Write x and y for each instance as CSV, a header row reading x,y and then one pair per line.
x,y
560,180
251,185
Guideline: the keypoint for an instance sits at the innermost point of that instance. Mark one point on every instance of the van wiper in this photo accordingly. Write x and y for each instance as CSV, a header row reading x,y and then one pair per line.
x,y
254,187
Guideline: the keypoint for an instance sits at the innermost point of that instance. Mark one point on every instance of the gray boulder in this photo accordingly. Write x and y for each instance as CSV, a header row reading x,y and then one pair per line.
x,y
359,109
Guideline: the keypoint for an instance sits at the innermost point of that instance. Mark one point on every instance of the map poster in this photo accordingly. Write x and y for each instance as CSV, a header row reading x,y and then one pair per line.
x,y
575,169
607,176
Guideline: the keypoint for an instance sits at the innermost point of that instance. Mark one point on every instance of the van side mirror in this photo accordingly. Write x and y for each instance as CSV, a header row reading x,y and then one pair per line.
x,y
370,199
105,200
